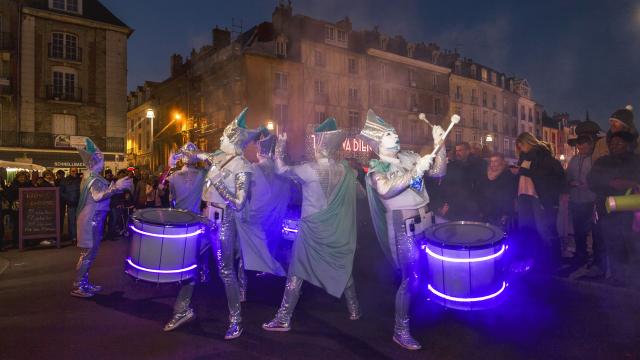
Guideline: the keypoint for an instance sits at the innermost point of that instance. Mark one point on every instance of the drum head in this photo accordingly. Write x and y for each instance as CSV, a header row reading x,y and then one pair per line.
x,y
464,234
167,217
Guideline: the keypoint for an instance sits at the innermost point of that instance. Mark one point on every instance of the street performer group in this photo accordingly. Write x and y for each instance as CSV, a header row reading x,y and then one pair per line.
x,y
244,205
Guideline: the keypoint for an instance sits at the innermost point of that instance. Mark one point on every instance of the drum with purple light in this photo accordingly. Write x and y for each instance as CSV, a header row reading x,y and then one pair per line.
x,y
165,244
465,264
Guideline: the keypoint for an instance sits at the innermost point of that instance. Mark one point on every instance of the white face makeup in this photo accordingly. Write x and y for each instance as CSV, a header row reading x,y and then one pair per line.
x,y
389,144
226,145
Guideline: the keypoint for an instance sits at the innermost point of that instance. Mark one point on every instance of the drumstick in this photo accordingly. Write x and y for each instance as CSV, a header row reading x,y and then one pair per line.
x,y
423,117
454,120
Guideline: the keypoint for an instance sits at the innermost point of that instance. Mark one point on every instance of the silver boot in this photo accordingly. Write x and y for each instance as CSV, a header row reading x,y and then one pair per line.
x,y
402,336
180,319
277,325
81,292
234,331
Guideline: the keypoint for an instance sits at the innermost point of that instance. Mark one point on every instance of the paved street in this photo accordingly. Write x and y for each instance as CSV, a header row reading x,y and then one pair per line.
x,y
539,319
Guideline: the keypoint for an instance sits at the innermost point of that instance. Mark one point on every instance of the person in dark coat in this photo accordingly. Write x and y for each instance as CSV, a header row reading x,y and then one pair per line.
x,y
614,175
13,196
70,194
541,180
460,185
498,190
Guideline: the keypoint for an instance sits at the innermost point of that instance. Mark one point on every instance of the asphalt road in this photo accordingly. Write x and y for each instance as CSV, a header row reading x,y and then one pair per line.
x,y
540,318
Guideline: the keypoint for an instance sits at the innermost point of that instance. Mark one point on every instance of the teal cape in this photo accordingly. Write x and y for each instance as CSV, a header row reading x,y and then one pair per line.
x,y
379,218
261,225
326,244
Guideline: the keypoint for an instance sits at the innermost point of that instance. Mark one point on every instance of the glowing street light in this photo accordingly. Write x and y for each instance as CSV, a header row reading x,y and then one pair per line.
x,y
270,125
151,115
489,138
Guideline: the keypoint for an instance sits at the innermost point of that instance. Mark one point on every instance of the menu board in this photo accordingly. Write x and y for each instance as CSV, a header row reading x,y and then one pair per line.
x,y
39,214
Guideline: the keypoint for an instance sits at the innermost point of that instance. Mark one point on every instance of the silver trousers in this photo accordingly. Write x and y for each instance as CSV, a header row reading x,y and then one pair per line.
x,y
292,294
88,255
408,255
225,248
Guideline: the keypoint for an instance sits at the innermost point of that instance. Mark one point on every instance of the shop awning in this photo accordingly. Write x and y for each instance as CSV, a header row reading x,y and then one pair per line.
x,y
21,165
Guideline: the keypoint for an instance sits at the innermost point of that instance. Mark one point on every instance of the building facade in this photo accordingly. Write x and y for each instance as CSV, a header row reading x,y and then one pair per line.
x,y
68,79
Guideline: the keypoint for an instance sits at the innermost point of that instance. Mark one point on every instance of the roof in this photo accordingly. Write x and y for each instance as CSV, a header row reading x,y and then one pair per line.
x,y
91,10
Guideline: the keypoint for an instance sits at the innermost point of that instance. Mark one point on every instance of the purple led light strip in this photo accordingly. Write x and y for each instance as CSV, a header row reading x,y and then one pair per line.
x,y
474,299
462,260
157,271
199,231
289,230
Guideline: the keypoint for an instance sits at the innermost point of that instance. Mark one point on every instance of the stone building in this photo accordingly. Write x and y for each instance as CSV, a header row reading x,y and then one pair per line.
x,y
68,79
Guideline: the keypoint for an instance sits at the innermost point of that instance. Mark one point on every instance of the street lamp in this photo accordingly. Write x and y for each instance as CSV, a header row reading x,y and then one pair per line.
x,y
270,125
151,115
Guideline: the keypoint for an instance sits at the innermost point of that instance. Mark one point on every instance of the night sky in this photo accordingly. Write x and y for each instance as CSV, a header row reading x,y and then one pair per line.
x,y
576,55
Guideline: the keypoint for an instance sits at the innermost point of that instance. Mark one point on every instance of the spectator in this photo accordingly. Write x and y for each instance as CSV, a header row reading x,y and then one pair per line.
x,y
47,179
498,190
108,175
119,205
613,175
63,206
581,198
140,192
152,194
620,120
21,181
460,185
59,177
540,183
70,194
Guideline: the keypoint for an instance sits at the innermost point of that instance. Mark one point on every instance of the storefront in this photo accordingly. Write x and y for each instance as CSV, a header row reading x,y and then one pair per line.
x,y
59,159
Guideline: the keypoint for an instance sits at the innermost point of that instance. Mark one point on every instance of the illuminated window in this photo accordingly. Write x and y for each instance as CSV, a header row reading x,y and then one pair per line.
x,y
484,74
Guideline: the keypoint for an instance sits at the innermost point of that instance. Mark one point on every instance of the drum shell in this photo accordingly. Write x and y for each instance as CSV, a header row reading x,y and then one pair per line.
x,y
465,279
164,253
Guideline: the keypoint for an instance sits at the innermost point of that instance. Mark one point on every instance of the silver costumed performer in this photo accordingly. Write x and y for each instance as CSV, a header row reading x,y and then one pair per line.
x,y
93,205
185,188
226,193
324,249
398,203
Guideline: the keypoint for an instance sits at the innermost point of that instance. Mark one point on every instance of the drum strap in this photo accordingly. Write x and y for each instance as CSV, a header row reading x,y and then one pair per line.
x,y
228,161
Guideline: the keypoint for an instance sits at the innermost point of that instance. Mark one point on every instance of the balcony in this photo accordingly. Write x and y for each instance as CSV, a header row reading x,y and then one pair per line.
x,y
58,93
6,41
71,54
46,141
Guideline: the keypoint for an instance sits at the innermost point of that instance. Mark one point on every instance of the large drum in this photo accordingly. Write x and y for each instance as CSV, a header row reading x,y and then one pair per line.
x,y
165,244
465,264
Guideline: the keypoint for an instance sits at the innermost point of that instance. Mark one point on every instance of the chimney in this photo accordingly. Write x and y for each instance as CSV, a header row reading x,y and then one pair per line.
x,y
221,38
176,64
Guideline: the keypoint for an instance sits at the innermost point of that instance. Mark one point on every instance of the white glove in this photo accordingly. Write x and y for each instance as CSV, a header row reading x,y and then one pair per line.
x,y
124,183
425,163
438,134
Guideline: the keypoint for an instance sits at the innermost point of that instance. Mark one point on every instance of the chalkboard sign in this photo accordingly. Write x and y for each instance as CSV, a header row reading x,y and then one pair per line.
x,y
39,214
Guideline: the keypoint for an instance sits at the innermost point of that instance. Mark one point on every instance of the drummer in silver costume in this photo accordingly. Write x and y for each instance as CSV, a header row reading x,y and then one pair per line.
x,y
93,206
184,185
398,200
324,250
226,193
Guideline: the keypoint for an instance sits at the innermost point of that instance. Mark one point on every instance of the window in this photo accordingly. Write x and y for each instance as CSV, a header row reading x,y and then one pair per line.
x,y
64,46
522,114
281,47
495,123
437,106
458,68
65,5
474,97
458,93
484,99
353,66
281,82
494,79
435,81
320,59
411,76
413,102
473,71
353,96
319,87
354,119
63,124
514,110
506,146
530,116
342,36
64,85
329,33
320,116
495,101
474,117
410,50
458,137
485,121
282,113
383,70
387,97
484,74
